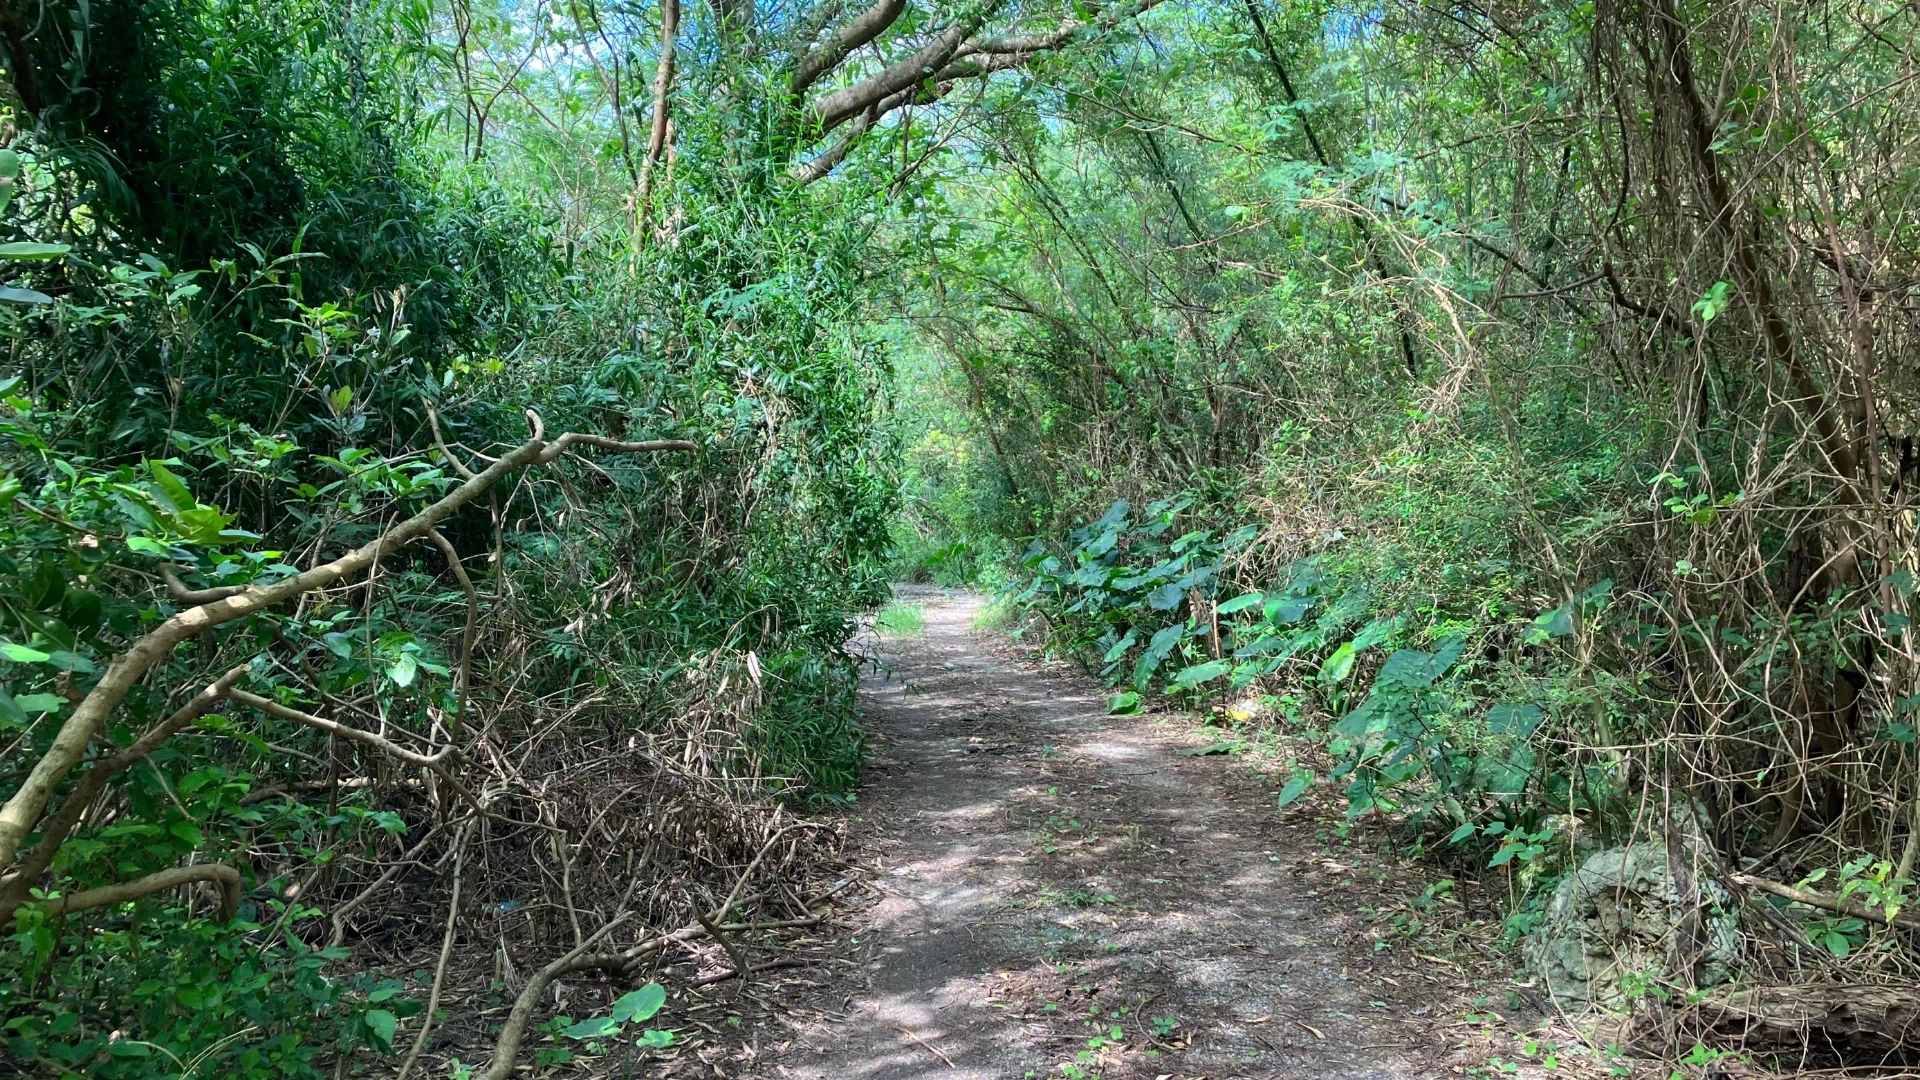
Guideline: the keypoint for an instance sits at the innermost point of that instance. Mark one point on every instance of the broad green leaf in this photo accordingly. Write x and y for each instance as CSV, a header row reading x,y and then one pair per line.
x,y
382,1024
1166,597
597,1028
174,488
1125,703
1516,720
27,251
1374,633
1242,603
1296,786
1190,677
1555,623
41,703
1364,720
71,661
14,295
1119,648
1158,648
1223,746
403,670
20,654
657,1039
1339,665
1413,669
1287,610
641,1004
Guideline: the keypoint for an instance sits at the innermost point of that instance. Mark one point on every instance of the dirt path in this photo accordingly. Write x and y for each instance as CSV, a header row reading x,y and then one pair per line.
x,y
1054,879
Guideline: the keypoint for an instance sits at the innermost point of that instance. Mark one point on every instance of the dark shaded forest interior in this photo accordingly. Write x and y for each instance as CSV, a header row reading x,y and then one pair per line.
x,y
522,522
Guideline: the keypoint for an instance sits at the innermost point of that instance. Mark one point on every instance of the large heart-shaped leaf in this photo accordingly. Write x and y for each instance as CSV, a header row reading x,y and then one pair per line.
x,y
641,1004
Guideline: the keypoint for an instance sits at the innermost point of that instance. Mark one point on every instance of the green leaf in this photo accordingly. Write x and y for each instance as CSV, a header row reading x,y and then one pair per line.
x,y
1287,610
27,251
403,670
11,710
657,1039
1158,648
20,654
1119,649
174,488
1374,633
1413,669
1296,787
71,661
40,703
641,1004
1125,703
1519,721
1555,623
1166,597
1339,665
13,295
186,832
80,608
597,1028
1713,301
1224,746
1190,677
1241,603
1462,834
1362,721
381,1024
129,1048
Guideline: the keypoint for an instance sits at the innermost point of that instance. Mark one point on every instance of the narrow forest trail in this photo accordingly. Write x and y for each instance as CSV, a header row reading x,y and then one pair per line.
x,y
1049,873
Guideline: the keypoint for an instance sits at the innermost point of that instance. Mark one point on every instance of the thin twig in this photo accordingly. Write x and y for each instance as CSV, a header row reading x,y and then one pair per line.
x,y
446,952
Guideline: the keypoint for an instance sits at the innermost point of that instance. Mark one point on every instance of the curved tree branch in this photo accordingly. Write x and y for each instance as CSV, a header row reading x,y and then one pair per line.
x,y
24,807
923,77
224,876
179,590
859,30
339,730
54,832
845,104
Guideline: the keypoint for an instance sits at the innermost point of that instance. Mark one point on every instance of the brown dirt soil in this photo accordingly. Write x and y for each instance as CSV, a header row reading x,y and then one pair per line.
x,y
1062,890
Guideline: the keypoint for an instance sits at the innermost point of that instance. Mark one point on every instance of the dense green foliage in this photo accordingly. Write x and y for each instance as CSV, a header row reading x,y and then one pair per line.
x,y
1518,401
1513,395
263,257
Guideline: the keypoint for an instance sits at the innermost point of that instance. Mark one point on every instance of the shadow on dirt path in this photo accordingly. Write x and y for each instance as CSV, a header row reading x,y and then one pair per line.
x,y
1060,888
